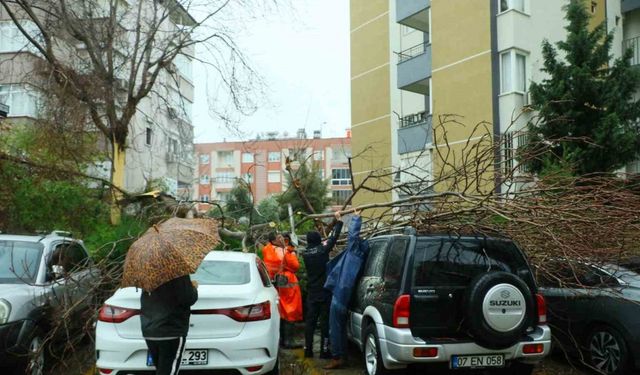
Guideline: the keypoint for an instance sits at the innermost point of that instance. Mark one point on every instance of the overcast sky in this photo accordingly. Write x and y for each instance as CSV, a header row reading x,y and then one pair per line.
x,y
303,57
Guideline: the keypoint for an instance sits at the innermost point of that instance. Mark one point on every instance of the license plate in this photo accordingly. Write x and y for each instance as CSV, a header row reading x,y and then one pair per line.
x,y
193,357
477,361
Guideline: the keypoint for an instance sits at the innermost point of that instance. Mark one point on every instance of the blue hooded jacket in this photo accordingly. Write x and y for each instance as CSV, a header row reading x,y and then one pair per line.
x,y
344,269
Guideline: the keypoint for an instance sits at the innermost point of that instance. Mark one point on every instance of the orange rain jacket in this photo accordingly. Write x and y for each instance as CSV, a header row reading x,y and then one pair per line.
x,y
278,260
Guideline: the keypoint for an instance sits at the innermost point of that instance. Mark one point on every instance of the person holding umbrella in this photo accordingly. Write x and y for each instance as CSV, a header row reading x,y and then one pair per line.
x,y
160,263
282,264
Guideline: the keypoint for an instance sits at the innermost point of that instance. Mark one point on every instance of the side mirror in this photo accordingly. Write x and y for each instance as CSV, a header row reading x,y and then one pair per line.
x,y
57,271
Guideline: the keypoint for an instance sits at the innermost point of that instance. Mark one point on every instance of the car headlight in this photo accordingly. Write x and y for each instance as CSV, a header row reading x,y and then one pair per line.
x,y
5,310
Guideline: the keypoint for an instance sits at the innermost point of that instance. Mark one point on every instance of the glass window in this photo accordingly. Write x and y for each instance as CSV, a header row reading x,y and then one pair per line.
x,y
225,177
340,177
19,261
247,157
204,179
21,99
204,158
513,72
376,258
453,262
222,273
12,39
395,262
204,198
248,178
341,154
274,156
264,275
340,197
318,155
148,136
506,5
224,196
274,176
184,64
225,157
71,256
173,146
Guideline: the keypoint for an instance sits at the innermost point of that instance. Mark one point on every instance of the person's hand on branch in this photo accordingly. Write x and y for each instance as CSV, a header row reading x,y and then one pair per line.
x,y
338,216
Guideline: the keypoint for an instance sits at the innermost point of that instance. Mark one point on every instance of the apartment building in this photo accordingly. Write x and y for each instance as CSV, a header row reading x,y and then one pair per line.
x,y
417,65
159,147
261,163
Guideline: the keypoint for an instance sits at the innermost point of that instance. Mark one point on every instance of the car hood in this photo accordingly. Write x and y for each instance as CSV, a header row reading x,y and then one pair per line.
x,y
22,297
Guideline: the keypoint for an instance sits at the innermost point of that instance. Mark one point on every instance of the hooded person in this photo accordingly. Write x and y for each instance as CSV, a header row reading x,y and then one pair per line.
x,y
342,273
316,257
281,259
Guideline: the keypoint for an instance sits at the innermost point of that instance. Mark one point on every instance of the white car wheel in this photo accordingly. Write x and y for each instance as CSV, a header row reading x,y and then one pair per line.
x,y
35,366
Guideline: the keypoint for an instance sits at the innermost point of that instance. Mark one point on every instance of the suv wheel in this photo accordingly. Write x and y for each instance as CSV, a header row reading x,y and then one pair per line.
x,y
35,363
499,308
607,351
371,350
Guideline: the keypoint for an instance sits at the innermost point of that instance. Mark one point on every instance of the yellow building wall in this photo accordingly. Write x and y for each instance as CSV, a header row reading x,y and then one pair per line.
x,y
370,97
462,91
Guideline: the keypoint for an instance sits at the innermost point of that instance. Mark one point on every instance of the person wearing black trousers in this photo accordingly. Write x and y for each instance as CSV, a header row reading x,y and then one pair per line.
x,y
316,257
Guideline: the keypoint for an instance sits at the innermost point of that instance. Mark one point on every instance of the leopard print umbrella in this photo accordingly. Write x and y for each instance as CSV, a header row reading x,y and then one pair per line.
x,y
169,250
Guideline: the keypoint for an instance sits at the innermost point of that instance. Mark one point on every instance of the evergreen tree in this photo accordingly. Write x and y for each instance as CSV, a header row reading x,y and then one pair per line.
x,y
588,114
240,202
313,186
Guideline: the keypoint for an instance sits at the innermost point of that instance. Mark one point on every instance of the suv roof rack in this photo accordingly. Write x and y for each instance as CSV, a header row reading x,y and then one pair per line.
x,y
61,233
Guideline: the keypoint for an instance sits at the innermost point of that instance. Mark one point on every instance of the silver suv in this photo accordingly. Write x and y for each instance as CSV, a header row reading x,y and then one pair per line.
x,y
448,302
38,274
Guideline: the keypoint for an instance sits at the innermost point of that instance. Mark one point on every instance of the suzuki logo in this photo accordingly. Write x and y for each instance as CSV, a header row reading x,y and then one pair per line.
x,y
505,294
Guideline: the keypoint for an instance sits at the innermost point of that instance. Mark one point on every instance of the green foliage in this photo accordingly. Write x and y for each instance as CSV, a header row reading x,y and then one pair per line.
x,y
112,242
240,202
268,210
313,186
586,106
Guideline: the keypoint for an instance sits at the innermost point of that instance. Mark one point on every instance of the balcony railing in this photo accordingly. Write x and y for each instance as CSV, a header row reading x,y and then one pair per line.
x,y
634,45
412,52
414,119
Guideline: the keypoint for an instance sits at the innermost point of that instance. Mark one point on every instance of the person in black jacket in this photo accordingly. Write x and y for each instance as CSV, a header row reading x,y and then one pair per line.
x,y
316,257
165,314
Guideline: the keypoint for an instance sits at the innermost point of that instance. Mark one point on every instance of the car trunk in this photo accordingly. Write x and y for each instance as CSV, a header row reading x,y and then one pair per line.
x,y
442,271
203,324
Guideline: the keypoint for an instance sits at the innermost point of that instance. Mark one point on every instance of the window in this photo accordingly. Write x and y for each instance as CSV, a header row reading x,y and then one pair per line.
x,y
204,179
274,156
248,178
218,272
204,158
507,154
225,157
12,39
318,155
395,263
341,154
179,106
184,65
223,197
204,198
247,157
148,137
376,258
506,5
22,100
274,176
513,72
71,256
264,275
225,177
173,146
340,197
340,177
19,261
594,6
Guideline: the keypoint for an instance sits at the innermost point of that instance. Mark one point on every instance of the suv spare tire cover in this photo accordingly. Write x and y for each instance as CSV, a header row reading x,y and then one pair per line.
x,y
499,309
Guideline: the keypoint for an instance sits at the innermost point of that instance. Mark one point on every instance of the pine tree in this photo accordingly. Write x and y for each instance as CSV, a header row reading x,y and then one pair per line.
x,y
588,114
313,186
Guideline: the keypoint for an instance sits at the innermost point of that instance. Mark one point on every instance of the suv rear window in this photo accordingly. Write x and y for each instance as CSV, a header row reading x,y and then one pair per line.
x,y
454,262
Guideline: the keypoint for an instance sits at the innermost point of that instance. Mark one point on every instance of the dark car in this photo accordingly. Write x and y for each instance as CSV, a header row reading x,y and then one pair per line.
x,y
449,302
594,312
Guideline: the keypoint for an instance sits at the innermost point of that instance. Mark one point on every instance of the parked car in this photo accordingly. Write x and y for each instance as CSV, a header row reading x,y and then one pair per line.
x,y
38,274
448,302
593,310
234,325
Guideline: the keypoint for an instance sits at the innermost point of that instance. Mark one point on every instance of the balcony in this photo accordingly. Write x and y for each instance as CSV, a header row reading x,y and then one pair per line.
x,y
415,132
634,45
627,5
413,13
414,69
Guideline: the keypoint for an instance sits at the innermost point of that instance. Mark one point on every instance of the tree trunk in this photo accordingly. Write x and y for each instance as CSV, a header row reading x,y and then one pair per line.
x,y
117,179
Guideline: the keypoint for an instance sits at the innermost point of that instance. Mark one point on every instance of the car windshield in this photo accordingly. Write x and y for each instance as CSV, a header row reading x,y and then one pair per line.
x,y
19,261
454,262
219,272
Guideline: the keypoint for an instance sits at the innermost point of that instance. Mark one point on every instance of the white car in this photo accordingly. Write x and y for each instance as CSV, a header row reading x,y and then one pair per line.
x,y
234,325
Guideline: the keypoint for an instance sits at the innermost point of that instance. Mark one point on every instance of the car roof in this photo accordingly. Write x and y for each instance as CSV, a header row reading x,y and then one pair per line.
x,y
230,255
15,237
448,236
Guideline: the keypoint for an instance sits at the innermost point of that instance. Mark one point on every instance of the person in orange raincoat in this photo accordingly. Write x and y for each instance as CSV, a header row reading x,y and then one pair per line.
x,y
279,257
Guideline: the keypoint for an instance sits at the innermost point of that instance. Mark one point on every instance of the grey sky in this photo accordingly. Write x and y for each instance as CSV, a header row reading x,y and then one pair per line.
x,y
303,57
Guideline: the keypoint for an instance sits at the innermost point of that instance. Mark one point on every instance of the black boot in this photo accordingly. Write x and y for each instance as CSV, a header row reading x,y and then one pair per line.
x,y
325,353
289,339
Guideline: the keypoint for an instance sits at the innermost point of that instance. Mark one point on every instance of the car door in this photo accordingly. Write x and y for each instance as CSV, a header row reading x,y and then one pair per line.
x,y
392,278
69,271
